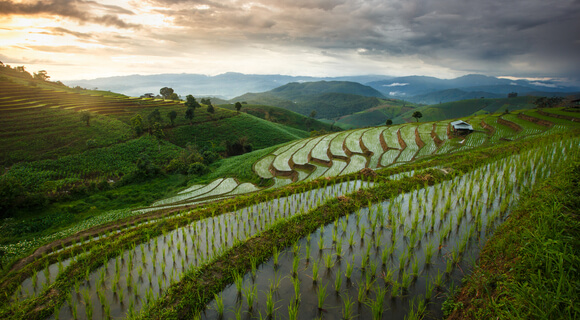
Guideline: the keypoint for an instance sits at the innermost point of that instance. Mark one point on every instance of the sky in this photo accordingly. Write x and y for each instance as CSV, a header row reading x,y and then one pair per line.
x,y
85,39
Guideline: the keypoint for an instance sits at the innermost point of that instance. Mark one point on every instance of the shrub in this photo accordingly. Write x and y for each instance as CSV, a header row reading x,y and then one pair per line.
x,y
197,169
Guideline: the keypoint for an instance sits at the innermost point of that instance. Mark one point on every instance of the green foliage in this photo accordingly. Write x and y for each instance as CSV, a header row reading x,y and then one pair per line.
x,y
114,161
157,131
137,124
282,116
545,102
91,143
197,169
191,103
85,117
166,92
238,106
417,115
210,108
10,189
154,117
172,115
189,114
389,122
212,135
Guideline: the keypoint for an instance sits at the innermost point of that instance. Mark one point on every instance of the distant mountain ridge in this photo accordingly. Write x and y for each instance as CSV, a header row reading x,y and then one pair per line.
x,y
225,86
330,99
430,90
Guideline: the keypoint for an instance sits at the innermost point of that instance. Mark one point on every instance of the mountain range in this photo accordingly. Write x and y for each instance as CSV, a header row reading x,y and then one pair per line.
x,y
417,89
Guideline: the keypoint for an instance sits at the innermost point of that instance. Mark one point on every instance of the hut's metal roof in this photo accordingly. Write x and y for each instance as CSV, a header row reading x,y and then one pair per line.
x,y
461,125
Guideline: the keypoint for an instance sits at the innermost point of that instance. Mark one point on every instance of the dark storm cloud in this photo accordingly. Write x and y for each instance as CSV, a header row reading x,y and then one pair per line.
x,y
73,9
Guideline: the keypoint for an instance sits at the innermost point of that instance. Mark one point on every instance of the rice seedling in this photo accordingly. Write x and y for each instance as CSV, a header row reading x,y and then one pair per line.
x,y
347,307
338,250
377,304
219,304
388,276
439,279
253,264
250,294
415,268
275,282
276,256
238,281
295,265
429,291
293,311
328,261
321,296
428,253
394,289
296,286
361,296
349,269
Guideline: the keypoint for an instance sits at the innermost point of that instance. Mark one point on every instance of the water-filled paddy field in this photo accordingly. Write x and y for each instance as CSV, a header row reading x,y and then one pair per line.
x,y
397,257
139,275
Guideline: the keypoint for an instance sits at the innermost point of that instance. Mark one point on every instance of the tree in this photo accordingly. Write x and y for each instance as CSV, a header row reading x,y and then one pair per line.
x,y
157,131
417,115
85,117
172,115
210,108
389,122
154,116
137,124
190,102
166,92
174,96
238,106
189,113
312,114
205,101
544,102
41,75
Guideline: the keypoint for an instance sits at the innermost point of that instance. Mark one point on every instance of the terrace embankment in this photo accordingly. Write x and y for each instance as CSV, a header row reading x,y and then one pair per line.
x,y
487,127
535,120
418,140
559,116
438,141
510,124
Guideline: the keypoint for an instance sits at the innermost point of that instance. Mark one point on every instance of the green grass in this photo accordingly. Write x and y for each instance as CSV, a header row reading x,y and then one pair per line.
x,y
281,116
240,167
98,164
529,268
213,134
464,108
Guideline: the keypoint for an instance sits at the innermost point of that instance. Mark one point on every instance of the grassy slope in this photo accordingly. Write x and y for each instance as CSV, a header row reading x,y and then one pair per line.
x,y
378,115
529,269
281,116
260,133
464,108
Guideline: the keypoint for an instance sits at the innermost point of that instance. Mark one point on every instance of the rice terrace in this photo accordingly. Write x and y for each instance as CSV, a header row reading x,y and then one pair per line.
x,y
157,207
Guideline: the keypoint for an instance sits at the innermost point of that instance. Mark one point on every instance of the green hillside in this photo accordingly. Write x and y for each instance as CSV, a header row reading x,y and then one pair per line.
x,y
53,159
330,100
281,116
378,115
457,109
298,91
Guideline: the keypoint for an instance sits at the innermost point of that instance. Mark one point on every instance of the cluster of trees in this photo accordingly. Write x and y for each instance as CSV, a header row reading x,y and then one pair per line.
x,y
545,102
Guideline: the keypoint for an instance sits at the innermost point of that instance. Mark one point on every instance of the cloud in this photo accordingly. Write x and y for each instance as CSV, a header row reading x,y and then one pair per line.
x,y
76,10
396,84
